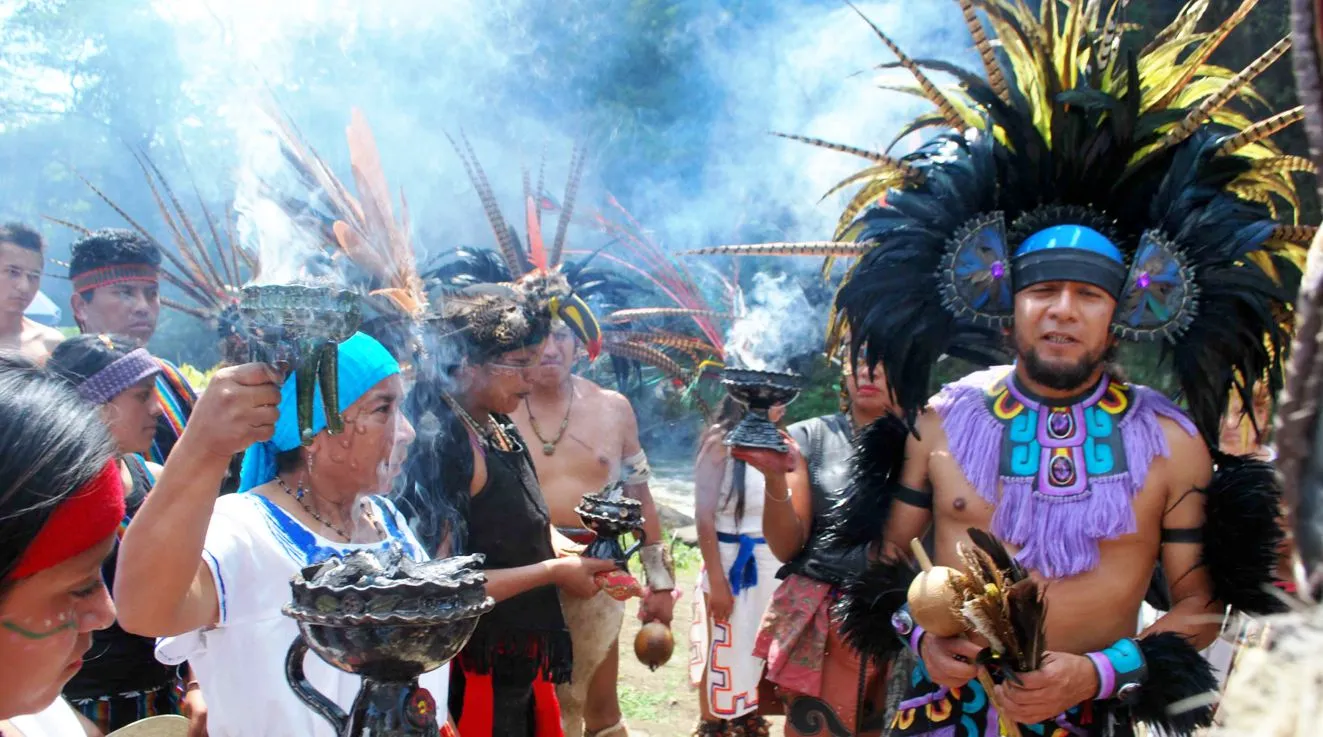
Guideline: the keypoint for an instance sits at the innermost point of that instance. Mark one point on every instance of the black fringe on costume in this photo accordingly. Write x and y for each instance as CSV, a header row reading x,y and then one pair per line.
x,y
861,513
1242,533
867,602
1176,671
520,656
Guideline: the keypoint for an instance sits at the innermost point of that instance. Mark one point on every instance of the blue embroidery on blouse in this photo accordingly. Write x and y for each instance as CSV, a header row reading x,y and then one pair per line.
x,y
303,546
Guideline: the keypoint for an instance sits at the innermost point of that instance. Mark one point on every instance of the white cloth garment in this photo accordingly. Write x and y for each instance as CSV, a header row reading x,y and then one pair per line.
x,y
727,657
253,548
56,720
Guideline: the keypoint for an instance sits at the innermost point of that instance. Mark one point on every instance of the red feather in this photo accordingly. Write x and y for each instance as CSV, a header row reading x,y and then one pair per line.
x,y
537,252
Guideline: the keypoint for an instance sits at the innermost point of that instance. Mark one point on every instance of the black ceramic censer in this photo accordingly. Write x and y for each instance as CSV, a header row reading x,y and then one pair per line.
x,y
759,391
301,327
610,515
388,619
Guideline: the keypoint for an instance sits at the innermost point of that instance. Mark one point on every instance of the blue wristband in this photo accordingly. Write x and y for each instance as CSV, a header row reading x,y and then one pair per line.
x,y
1122,670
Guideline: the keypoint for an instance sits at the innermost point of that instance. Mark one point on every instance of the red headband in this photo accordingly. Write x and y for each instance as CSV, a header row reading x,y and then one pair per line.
x,y
117,274
84,519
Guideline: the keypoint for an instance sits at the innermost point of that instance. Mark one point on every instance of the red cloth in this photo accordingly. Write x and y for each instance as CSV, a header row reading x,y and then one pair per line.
x,y
793,636
476,718
82,520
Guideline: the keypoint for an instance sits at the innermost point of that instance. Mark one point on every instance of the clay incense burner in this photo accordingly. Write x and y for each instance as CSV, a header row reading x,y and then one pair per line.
x,y
390,620
610,515
301,327
760,391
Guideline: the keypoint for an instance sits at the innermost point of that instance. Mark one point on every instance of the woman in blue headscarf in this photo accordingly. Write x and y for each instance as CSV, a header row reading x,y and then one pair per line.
x,y
299,505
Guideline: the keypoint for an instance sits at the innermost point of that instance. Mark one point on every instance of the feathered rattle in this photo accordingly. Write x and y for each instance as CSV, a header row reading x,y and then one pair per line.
x,y
993,597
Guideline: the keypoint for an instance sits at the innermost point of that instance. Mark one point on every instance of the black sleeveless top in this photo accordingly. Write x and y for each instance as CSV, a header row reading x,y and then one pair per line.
x,y
507,521
119,662
827,444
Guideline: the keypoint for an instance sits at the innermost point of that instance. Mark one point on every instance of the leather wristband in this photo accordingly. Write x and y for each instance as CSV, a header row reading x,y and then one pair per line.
x,y
1122,671
910,632
658,567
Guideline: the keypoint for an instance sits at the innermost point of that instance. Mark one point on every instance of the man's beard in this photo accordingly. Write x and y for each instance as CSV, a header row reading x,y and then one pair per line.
x,y
1062,378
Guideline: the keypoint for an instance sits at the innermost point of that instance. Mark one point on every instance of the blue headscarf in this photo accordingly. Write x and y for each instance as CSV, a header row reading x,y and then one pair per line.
x,y
362,363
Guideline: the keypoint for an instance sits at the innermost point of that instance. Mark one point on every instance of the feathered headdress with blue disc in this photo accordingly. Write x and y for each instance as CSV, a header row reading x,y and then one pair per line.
x,y
1076,156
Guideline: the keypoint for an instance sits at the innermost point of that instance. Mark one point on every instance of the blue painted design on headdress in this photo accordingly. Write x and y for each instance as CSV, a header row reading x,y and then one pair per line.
x,y
362,363
1159,300
1070,236
975,279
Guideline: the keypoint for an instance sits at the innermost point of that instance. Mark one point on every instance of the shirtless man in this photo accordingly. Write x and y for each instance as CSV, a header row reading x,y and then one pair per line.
x,y
22,254
1062,334
582,438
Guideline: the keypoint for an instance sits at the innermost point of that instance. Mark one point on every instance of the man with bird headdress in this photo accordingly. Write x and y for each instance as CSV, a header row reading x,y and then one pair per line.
x,y
1083,193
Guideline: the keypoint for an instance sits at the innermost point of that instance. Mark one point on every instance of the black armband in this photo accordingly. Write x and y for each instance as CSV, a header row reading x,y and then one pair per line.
x,y
1182,535
1175,673
912,497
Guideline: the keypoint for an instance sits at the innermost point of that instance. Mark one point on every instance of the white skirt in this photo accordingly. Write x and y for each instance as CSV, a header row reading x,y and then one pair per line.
x,y
726,659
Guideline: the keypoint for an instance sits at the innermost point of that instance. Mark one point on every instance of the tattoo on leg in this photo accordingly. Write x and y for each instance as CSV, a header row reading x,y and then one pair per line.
x,y
28,634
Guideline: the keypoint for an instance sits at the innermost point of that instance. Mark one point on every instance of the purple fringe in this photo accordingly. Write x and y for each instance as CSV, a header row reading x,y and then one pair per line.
x,y
972,433
1058,537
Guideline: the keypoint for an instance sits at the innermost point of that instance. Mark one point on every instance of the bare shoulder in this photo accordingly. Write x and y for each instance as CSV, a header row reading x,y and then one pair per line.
x,y
1188,460
48,335
607,400
931,434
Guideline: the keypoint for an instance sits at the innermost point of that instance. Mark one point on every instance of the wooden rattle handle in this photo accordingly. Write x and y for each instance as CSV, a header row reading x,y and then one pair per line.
x,y
1008,728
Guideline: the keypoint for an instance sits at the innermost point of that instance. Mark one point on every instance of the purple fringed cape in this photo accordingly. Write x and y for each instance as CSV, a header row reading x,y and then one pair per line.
x,y
1062,477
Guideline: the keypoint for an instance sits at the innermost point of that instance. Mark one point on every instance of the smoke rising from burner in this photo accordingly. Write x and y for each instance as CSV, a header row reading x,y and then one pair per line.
x,y
776,323
674,102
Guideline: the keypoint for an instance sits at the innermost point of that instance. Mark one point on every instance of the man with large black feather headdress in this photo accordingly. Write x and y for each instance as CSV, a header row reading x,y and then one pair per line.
x,y
1083,193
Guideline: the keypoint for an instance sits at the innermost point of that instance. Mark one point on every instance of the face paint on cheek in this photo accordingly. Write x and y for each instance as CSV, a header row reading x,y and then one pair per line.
x,y
46,630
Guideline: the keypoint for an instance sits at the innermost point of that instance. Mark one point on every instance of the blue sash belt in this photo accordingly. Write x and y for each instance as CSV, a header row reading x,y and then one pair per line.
x,y
744,571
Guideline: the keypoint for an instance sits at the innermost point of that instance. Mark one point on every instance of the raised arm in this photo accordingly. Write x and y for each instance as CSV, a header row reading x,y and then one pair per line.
x,y
1194,613
162,585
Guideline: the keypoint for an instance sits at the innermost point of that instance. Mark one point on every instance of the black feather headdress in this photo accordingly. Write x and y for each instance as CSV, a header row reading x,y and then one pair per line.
x,y
1140,163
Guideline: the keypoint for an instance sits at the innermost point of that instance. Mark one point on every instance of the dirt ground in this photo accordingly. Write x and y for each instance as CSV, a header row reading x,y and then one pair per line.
x,y
662,704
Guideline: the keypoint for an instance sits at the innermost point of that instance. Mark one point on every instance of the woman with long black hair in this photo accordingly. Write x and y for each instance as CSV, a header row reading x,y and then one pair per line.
x,y
738,580
122,681
61,501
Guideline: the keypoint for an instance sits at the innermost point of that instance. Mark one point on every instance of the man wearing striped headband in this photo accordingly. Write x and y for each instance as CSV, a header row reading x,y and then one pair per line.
x,y
116,278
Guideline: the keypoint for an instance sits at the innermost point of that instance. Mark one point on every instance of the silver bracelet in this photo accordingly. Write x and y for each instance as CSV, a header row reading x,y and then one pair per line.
x,y
767,493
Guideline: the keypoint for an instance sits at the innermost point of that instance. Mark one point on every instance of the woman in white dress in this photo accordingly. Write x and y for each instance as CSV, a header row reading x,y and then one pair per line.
x,y
61,500
738,579
210,575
